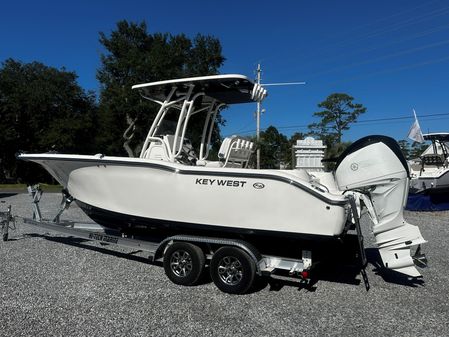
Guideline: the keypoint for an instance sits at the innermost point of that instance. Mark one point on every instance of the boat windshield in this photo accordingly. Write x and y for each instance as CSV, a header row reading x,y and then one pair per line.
x,y
167,125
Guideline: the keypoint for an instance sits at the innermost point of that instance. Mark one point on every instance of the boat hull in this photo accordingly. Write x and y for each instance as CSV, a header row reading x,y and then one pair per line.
x,y
160,228
428,182
134,194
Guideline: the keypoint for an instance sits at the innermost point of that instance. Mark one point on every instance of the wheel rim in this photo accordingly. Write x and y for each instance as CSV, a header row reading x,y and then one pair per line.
x,y
230,270
181,263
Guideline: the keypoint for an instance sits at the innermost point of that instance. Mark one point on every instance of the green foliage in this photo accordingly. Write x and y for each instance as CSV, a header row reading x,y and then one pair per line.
x,y
41,109
405,148
412,150
44,109
417,149
296,136
338,113
135,56
275,149
333,150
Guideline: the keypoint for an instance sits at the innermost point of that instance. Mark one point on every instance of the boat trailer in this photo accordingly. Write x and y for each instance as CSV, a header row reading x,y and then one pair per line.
x,y
280,268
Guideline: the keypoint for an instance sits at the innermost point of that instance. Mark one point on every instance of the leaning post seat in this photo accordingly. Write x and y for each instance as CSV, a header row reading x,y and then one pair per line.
x,y
158,149
433,160
161,146
234,151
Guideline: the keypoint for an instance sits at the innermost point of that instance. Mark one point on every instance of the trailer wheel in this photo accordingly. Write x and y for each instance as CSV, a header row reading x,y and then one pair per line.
x,y
5,237
184,263
232,270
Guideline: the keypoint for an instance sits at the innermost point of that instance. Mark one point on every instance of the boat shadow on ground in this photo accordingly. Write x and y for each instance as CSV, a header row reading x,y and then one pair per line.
x,y
344,274
328,271
336,271
6,195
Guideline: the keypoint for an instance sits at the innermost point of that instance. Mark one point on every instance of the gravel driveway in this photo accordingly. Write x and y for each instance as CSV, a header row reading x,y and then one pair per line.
x,y
51,285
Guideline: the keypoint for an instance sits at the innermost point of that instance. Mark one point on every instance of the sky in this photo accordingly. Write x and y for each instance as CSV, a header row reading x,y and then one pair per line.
x,y
391,56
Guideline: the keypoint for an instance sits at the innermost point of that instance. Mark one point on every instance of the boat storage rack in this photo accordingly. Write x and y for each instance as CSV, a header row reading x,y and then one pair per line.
x,y
266,265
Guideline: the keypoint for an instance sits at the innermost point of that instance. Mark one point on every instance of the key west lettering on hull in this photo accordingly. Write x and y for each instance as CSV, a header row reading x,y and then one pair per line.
x,y
220,182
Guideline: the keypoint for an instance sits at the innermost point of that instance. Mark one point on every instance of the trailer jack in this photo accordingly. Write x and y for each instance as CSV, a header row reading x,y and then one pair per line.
x,y
7,222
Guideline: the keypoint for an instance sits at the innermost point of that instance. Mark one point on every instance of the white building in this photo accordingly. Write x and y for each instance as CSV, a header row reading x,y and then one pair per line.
x,y
309,153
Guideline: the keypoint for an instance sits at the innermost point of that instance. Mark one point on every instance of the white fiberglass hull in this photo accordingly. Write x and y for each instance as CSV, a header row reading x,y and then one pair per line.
x,y
147,193
432,180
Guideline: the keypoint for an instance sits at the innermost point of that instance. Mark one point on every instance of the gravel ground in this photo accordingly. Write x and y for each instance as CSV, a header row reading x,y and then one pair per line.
x,y
51,286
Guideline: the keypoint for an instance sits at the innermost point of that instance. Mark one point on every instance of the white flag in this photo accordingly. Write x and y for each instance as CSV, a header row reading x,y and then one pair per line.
x,y
415,131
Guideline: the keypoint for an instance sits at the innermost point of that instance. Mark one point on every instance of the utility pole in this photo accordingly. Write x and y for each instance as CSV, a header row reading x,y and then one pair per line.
x,y
258,118
260,110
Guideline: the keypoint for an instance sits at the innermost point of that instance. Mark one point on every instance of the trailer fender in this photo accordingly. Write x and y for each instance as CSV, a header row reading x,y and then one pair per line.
x,y
245,246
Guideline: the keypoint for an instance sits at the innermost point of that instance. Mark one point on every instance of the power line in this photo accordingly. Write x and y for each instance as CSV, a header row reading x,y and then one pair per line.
x,y
392,43
357,29
386,29
391,70
402,117
394,27
408,22
364,122
385,18
384,57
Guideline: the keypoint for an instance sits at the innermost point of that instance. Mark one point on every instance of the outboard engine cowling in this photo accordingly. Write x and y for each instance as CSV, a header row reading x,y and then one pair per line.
x,y
374,169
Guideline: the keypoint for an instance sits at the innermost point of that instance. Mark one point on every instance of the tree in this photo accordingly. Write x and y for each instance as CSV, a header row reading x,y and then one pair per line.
x,y
275,149
405,148
296,136
41,109
339,112
333,151
417,149
413,150
134,56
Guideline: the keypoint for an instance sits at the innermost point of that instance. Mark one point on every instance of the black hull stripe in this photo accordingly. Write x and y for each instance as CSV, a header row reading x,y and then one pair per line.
x,y
198,173
431,190
154,227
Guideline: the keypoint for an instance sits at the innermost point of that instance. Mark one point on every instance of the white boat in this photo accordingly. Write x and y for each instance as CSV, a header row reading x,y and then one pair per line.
x,y
169,190
430,172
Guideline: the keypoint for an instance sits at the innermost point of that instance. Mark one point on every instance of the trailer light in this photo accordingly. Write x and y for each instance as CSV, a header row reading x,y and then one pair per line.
x,y
305,274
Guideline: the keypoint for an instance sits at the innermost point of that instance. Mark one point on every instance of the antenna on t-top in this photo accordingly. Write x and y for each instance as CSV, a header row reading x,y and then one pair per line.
x,y
259,106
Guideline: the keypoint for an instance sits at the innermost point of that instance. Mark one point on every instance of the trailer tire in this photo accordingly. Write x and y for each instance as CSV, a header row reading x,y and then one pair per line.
x,y
184,263
232,270
5,237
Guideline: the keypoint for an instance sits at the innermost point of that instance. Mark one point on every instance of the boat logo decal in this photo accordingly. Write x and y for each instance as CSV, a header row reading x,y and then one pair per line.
x,y
354,166
258,186
220,182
